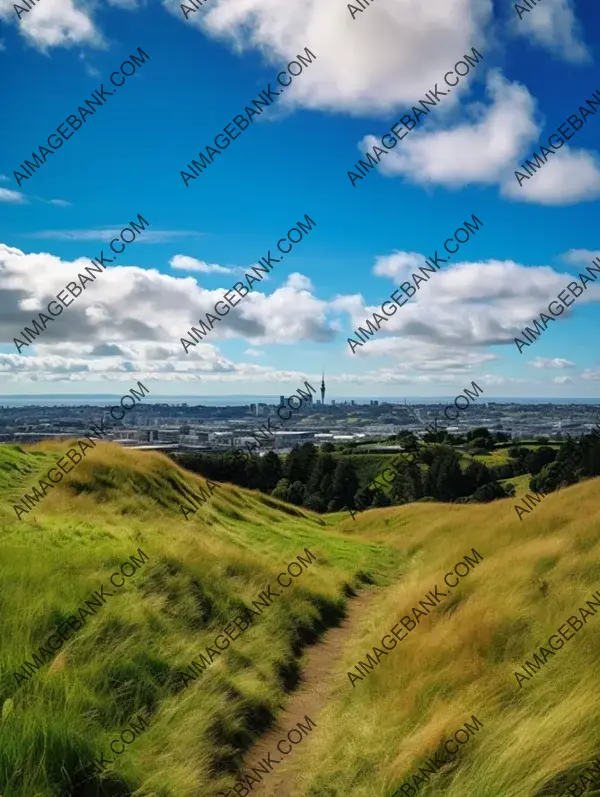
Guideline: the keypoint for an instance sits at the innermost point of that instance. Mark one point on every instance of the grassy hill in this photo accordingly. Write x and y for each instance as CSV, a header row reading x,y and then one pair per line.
x,y
461,660
128,658
199,575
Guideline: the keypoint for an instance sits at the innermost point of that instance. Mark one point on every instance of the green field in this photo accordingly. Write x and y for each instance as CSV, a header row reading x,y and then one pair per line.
x,y
199,575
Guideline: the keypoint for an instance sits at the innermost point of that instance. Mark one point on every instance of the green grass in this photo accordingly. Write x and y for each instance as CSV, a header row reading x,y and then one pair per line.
x,y
498,456
127,659
521,484
459,663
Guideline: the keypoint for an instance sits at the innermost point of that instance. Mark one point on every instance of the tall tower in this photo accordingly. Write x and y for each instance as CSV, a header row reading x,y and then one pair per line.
x,y
323,387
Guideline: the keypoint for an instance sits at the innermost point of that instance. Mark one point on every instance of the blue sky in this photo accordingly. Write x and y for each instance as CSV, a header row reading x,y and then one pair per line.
x,y
293,160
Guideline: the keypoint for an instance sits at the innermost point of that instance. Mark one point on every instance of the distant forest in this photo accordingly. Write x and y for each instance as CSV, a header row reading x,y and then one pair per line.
x,y
328,478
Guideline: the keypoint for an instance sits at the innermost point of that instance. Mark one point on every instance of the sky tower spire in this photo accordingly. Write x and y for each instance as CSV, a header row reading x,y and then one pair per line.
x,y
323,387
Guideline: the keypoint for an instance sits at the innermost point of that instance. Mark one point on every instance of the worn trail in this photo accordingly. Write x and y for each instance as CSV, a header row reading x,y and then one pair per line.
x,y
308,699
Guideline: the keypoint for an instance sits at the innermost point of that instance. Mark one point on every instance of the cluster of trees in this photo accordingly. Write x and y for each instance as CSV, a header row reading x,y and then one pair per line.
x,y
576,460
326,480
308,476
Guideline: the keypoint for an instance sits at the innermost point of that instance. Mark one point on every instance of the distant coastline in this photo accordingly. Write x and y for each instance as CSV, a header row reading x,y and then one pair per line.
x,y
100,399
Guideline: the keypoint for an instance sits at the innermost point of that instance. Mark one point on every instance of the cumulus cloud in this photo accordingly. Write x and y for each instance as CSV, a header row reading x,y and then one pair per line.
x,y
461,309
562,380
374,63
553,25
568,177
489,147
577,257
554,362
127,303
130,320
476,151
54,23
397,265
298,282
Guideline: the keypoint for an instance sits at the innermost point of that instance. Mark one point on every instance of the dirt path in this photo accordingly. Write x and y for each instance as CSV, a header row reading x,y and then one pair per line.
x,y
310,697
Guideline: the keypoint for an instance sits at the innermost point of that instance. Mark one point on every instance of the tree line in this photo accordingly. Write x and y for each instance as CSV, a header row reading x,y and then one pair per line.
x,y
326,479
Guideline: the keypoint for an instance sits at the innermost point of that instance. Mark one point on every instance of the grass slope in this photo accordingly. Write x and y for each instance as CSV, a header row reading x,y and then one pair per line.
x,y
461,659
128,658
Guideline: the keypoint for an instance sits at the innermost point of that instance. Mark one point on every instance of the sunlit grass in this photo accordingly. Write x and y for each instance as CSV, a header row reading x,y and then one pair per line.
x,y
127,658
459,662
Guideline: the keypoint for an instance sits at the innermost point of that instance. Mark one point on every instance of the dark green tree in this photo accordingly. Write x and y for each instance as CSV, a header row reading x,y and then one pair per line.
x,y
407,485
535,460
297,493
281,490
324,466
315,503
345,485
476,475
381,500
326,488
270,471
444,478
492,491
363,498
300,462
481,444
480,431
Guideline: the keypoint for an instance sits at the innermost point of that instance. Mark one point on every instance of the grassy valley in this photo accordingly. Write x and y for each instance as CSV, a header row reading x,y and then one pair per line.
x,y
128,661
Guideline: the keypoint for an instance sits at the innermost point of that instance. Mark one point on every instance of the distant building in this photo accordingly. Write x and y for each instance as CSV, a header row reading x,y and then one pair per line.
x,y
287,439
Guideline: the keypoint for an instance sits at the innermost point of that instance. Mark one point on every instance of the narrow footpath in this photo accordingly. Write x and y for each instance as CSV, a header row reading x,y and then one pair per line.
x,y
310,697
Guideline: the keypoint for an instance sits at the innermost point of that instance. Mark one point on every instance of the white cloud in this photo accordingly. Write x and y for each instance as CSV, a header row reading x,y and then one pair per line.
x,y
60,203
374,63
130,320
568,177
128,304
14,197
554,362
553,25
562,380
459,311
488,149
590,375
54,23
578,257
298,282
398,265
476,151
147,237
185,263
